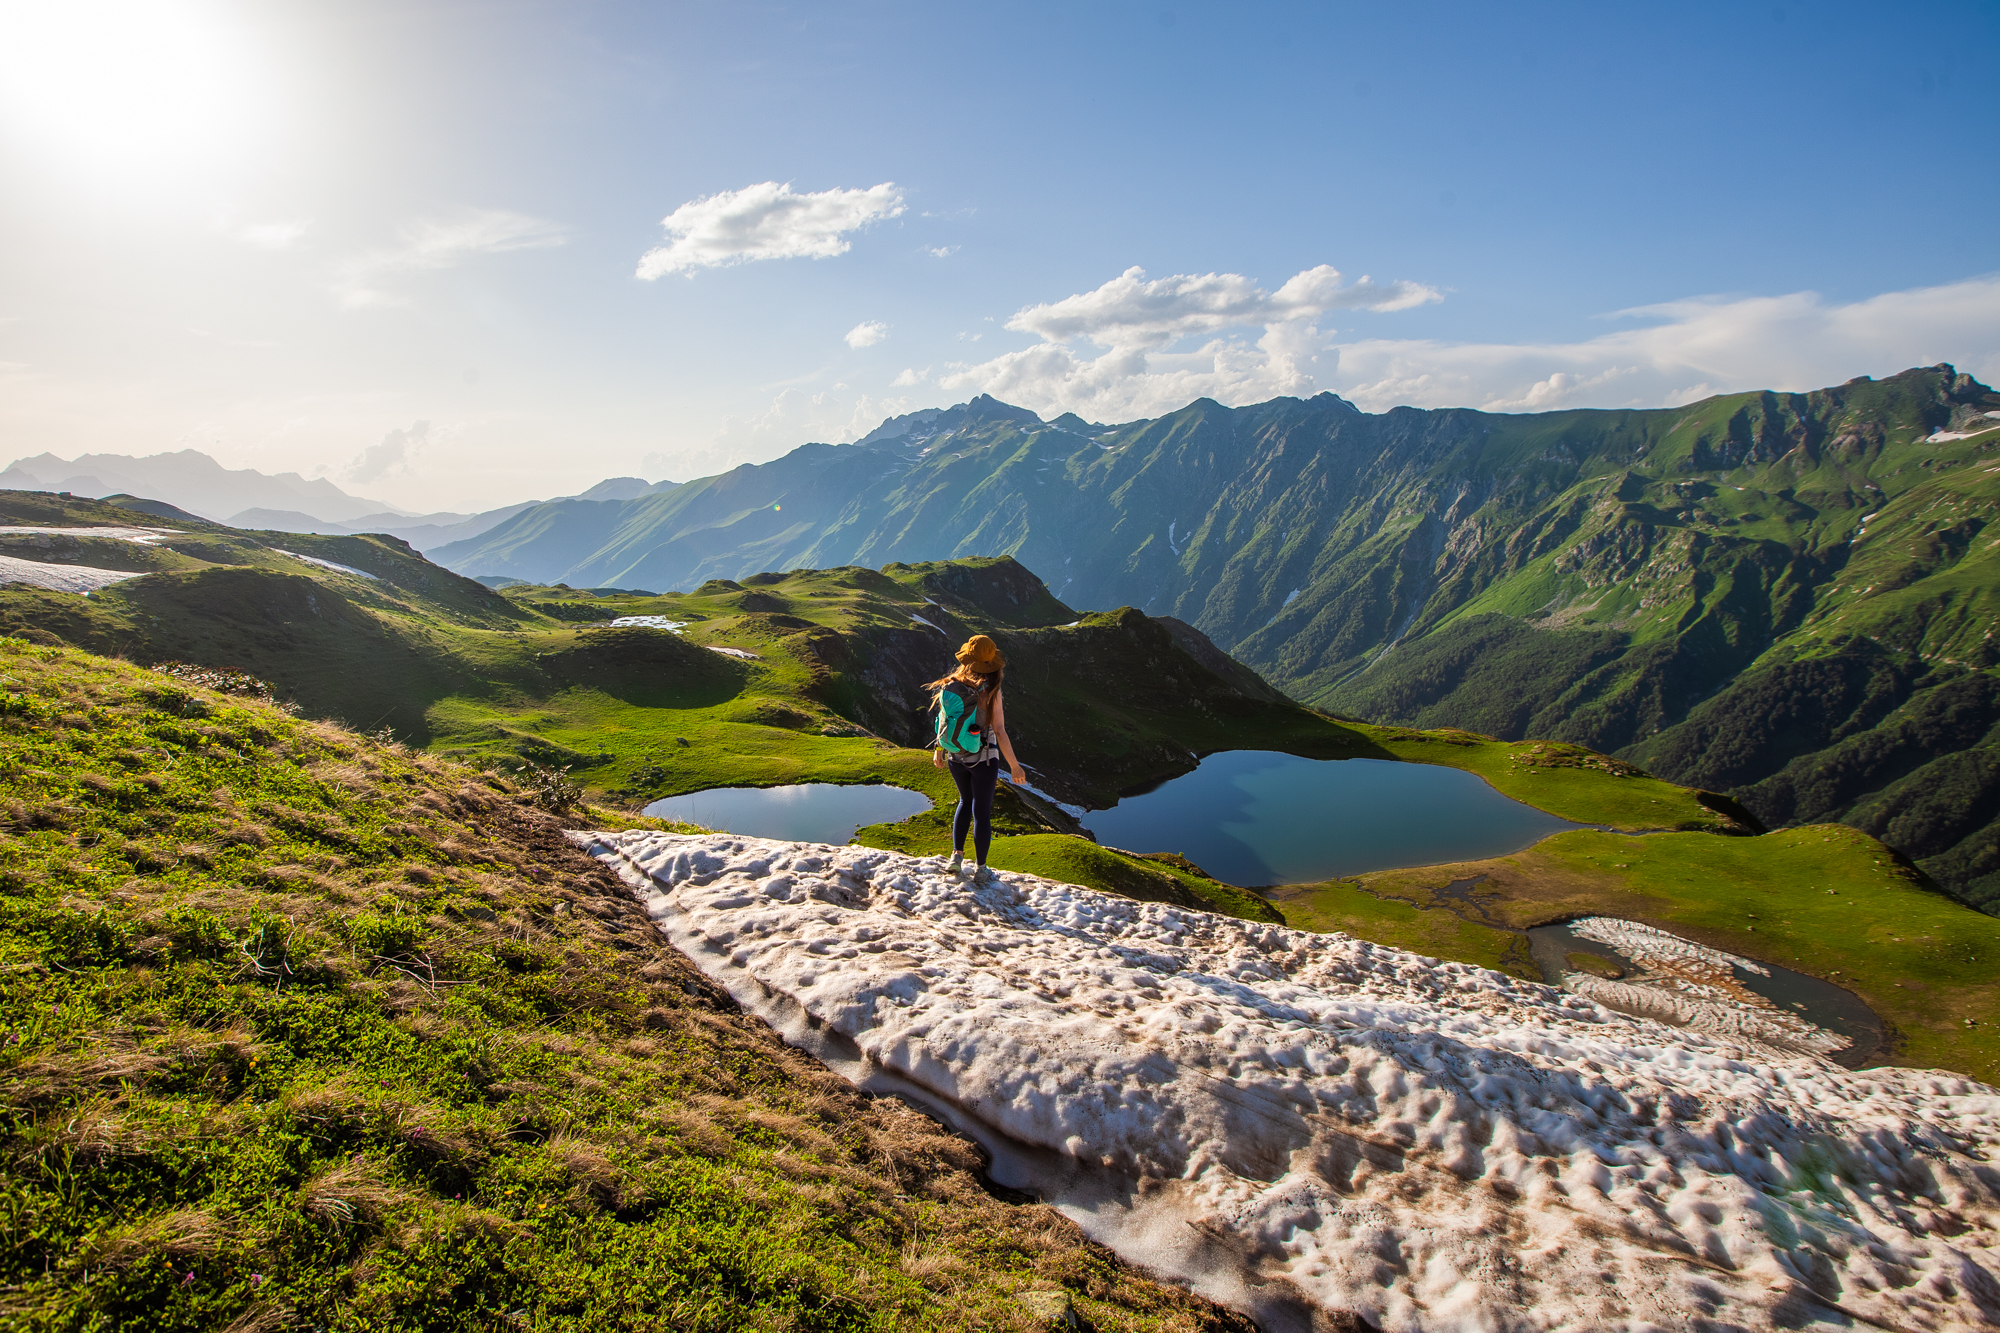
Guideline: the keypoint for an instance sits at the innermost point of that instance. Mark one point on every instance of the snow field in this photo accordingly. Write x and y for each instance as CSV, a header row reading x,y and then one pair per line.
x,y
648,622
139,536
329,564
1290,1120
60,578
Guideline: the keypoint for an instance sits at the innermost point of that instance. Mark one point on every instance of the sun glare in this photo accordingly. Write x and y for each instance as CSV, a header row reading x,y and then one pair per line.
x,y
131,88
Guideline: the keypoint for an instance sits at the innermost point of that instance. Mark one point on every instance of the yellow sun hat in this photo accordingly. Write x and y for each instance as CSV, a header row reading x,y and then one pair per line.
x,y
982,655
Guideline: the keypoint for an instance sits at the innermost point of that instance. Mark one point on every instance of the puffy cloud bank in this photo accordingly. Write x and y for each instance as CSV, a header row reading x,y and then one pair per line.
x,y
1669,354
1685,350
1292,1120
766,221
1130,311
1136,320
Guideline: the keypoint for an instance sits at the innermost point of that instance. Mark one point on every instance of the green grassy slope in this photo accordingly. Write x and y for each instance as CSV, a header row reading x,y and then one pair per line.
x,y
303,1030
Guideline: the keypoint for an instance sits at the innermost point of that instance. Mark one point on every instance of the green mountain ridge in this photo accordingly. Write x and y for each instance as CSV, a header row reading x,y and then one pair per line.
x,y
1602,577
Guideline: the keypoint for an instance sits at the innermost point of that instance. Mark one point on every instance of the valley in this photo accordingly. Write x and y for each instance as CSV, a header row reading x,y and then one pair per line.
x,y
815,676
318,780
1783,597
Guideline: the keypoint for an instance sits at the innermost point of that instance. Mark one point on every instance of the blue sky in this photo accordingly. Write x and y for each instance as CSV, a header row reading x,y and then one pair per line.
x,y
398,245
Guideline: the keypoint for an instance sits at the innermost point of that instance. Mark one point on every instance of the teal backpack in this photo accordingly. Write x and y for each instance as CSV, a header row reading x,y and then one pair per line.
x,y
958,733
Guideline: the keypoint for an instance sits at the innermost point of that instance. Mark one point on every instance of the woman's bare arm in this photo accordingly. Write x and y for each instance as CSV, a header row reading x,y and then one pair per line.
x,y
1006,746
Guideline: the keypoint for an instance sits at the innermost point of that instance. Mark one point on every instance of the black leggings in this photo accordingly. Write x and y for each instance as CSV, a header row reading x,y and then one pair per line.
x,y
975,804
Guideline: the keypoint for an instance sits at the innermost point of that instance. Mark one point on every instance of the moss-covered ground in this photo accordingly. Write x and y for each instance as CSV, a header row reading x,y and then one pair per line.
x,y
1824,900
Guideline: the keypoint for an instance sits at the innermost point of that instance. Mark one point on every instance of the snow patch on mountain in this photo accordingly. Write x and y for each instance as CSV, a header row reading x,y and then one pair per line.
x,y
60,578
329,564
1294,1121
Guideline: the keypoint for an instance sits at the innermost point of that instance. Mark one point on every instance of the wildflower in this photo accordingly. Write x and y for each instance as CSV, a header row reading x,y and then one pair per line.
x,y
189,1278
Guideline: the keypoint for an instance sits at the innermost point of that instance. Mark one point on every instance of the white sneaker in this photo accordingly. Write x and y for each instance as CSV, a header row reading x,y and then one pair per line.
x,y
957,860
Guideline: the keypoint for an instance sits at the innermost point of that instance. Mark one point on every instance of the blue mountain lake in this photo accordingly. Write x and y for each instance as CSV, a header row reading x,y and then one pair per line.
x,y
1258,817
802,812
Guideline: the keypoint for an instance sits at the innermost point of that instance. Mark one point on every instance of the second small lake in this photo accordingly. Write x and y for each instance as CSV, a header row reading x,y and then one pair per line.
x,y
802,812
1258,817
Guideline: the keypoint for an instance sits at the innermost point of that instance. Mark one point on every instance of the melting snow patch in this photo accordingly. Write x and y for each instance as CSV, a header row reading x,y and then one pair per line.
x,y
1290,597
921,621
328,564
60,578
1636,941
647,622
143,536
1944,436
1291,1120
1692,985
733,652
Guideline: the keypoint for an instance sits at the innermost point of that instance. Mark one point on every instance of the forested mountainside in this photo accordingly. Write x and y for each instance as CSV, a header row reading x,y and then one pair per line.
x,y
1784,595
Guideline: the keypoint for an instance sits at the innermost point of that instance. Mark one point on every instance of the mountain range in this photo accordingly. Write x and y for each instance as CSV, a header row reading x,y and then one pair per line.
x,y
190,480
283,502
1785,596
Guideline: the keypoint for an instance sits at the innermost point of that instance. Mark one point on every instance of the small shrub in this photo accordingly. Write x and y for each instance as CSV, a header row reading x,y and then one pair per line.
x,y
223,680
552,788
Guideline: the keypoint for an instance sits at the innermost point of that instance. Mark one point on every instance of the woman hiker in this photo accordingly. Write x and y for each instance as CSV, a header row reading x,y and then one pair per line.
x,y
971,741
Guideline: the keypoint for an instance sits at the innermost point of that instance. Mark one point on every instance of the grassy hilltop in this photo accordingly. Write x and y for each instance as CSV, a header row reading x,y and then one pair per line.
x,y
308,1030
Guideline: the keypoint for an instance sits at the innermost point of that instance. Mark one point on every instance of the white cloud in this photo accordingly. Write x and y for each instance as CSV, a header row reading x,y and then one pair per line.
x,y
391,455
765,221
866,334
432,243
1130,311
1688,350
270,235
941,251
1679,351
910,377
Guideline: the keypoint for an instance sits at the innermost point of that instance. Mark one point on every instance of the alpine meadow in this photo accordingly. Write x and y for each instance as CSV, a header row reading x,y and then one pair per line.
x,y
892,668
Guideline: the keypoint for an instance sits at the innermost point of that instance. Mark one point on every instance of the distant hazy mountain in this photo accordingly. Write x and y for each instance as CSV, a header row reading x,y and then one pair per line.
x,y
190,480
428,531
421,531
1781,595
623,488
